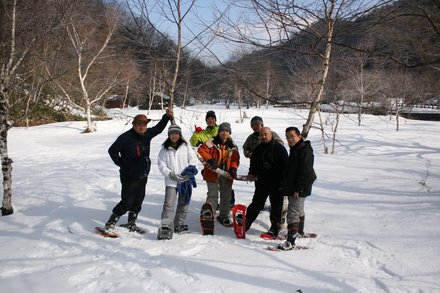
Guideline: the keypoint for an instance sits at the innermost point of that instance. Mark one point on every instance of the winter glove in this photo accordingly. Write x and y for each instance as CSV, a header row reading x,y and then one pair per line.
x,y
178,178
198,129
233,172
213,164
251,177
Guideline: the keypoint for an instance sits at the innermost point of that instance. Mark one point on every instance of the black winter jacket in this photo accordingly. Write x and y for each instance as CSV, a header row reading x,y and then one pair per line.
x,y
300,175
268,163
131,151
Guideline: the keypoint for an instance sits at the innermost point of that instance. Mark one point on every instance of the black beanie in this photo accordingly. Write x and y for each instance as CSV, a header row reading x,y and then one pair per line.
x,y
210,114
256,119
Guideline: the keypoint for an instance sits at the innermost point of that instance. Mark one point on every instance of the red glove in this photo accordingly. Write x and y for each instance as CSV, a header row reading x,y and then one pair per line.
x,y
198,128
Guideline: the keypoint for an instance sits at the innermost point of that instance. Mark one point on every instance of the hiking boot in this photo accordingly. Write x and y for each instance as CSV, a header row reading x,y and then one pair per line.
x,y
286,245
180,228
225,221
165,232
132,227
273,232
109,228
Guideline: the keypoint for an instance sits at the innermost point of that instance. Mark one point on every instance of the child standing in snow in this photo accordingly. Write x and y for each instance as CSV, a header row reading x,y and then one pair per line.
x,y
220,152
177,163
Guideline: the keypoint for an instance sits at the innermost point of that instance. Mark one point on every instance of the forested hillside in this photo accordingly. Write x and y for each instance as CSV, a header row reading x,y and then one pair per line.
x,y
64,54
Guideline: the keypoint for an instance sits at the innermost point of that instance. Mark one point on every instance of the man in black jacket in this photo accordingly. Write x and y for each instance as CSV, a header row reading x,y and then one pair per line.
x,y
298,180
131,152
267,166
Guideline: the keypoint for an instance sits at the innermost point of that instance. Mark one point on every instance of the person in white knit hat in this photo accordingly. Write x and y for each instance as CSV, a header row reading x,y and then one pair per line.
x,y
177,162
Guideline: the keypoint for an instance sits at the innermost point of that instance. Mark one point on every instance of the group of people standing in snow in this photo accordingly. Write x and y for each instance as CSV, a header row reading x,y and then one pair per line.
x,y
277,174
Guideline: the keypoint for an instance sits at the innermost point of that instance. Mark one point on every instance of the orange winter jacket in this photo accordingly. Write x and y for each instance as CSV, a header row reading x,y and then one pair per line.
x,y
226,155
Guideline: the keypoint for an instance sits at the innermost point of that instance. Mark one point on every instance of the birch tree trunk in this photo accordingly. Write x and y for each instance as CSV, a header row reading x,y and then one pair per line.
x,y
7,72
178,54
80,40
6,161
314,106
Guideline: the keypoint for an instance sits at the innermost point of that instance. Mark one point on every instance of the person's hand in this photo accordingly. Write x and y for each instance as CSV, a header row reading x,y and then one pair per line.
x,y
213,164
295,195
247,154
251,177
169,113
233,172
198,128
177,178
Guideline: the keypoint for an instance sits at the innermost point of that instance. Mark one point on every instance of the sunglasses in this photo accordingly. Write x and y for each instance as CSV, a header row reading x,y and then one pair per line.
x,y
143,123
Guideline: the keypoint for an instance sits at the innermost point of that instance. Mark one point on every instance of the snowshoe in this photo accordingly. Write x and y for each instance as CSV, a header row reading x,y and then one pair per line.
x,y
111,233
293,247
272,234
133,228
207,219
239,220
307,235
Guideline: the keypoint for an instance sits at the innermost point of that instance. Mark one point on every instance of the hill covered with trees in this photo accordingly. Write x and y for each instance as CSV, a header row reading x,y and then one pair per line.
x,y
56,55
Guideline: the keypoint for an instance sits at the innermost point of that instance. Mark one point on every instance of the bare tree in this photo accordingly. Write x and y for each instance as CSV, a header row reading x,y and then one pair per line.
x,y
173,12
19,38
275,23
9,68
359,82
398,90
83,32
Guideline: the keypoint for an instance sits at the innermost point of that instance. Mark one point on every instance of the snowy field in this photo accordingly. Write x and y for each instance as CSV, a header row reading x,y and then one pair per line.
x,y
375,207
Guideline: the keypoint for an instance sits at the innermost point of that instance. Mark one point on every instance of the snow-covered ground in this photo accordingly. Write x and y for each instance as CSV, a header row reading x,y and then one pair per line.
x,y
375,207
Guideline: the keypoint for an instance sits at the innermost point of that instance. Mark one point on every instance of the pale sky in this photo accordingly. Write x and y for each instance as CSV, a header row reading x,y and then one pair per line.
x,y
204,13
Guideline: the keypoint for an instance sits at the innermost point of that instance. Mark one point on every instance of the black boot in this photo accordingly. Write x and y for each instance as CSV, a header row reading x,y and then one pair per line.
x,y
301,226
113,219
274,230
132,217
111,223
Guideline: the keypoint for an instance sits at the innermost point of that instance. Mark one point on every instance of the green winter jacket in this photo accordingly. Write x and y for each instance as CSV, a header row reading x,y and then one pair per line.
x,y
201,137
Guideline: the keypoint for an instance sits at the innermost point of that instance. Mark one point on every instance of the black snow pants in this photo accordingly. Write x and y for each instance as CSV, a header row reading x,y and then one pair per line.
x,y
262,191
132,197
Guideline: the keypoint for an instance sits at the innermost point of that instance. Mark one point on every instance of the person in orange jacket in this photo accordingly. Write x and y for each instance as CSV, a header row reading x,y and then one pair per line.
x,y
220,152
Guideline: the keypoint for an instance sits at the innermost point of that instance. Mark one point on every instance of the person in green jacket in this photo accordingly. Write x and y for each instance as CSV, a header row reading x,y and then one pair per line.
x,y
202,135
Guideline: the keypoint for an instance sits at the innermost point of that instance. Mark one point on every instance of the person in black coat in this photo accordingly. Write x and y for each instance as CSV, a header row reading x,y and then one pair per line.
x,y
131,152
298,179
267,166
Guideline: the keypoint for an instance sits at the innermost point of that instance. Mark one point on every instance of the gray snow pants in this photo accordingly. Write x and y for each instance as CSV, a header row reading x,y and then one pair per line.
x,y
170,204
225,189
295,209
